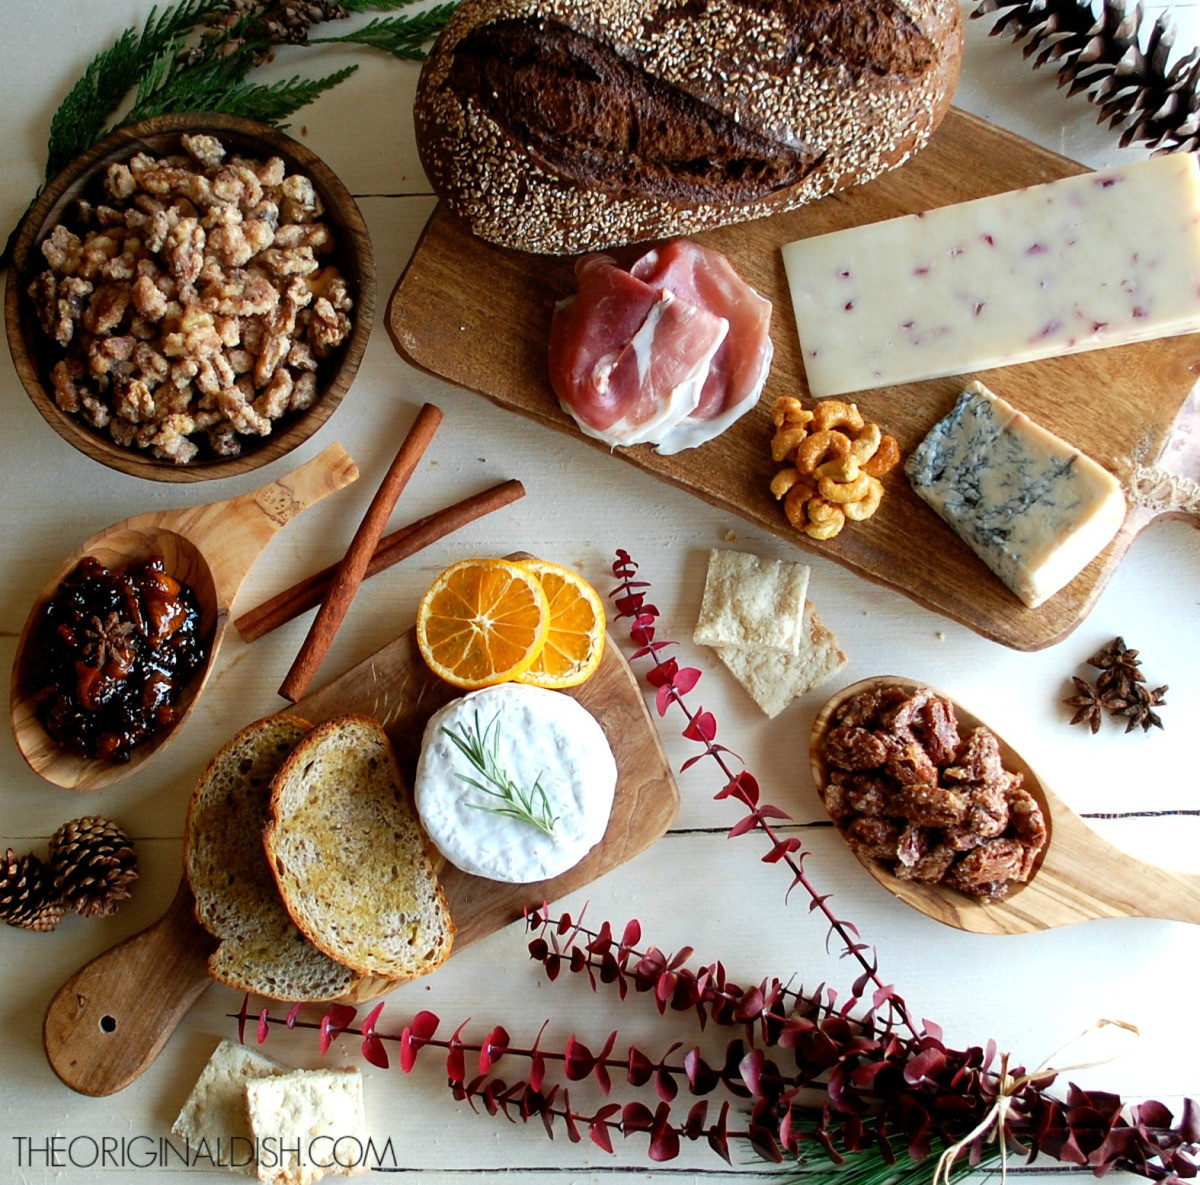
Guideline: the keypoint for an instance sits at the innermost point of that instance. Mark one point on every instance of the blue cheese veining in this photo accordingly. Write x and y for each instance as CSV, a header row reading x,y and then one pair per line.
x,y
555,755
1102,259
1032,507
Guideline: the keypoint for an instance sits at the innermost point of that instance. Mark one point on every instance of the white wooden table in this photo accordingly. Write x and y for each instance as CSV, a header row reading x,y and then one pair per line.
x,y
695,887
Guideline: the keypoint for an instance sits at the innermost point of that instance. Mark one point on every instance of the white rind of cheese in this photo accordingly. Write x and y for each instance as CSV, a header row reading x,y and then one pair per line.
x,y
1102,259
1036,510
537,732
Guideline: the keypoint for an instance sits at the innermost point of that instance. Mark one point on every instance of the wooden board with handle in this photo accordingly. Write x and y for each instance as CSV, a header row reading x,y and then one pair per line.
x,y
478,316
111,1019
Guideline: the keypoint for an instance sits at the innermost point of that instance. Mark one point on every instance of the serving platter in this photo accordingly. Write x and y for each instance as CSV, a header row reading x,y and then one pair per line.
x,y
478,316
111,1019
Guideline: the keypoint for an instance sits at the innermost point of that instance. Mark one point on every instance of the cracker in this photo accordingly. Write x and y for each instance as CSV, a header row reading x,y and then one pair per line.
x,y
215,1116
773,679
752,601
308,1123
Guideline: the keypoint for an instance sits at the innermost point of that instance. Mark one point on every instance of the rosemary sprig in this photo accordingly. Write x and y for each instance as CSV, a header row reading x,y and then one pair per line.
x,y
869,1166
481,747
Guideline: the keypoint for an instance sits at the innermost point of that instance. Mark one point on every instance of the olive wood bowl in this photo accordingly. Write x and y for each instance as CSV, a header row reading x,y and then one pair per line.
x,y
1078,876
34,354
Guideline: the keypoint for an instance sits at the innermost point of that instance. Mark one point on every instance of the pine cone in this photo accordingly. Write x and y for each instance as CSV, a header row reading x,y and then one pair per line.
x,y
27,896
93,864
1135,88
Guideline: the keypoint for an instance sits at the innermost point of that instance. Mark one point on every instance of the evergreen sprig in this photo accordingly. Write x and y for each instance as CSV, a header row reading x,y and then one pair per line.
x,y
402,37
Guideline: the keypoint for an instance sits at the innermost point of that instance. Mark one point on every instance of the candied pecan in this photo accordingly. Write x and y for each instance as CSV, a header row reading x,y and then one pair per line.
x,y
871,796
930,868
912,845
901,716
864,709
64,378
873,837
851,747
939,730
986,871
909,764
978,760
930,805
1028,822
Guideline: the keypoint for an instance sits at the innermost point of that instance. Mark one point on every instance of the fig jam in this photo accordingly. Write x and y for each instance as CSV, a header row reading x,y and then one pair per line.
x,y
114,652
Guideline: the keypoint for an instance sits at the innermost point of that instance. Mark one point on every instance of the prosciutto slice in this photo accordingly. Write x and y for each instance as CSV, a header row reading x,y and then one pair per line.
x,y
627,359
670,352
738,370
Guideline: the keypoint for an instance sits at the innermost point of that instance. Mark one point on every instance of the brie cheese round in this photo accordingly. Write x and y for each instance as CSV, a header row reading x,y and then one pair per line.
x,y
515,783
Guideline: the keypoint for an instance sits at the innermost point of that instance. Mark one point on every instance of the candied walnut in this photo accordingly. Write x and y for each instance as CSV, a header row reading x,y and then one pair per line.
x,y
328,326
64,378
148,299
873,837
62,250
276,396
304,392
184,250
206,150
134,401
930,805
851,747
300,201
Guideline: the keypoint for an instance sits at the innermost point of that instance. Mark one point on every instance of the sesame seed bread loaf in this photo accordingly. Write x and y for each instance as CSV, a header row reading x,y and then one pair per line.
x,y
261,949
349,856
562,126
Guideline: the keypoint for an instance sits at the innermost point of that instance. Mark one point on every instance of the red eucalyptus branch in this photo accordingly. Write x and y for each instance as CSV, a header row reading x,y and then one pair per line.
x,y
672,683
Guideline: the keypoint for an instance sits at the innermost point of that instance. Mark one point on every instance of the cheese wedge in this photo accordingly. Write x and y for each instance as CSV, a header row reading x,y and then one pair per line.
x,y
1032,507
1102,259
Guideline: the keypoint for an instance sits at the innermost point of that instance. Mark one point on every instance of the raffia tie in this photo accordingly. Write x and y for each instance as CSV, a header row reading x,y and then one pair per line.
x,y
1010,1086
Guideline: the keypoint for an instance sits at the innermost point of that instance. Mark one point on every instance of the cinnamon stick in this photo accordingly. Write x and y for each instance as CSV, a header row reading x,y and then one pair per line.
x,y
399,545
350,571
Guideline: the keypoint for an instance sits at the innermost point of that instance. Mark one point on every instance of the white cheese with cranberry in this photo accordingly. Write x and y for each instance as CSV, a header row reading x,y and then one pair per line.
x,y
515,783
1032,507
1101,259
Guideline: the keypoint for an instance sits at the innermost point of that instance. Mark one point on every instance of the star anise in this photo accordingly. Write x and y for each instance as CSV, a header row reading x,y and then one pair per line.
x,y
106,641
1088,704
1138,706
1118,667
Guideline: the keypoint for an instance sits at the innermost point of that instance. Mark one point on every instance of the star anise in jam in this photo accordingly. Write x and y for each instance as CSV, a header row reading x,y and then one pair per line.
x,y
106,644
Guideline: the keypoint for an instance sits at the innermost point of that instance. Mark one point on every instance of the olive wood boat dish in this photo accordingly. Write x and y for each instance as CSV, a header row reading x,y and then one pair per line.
x,y
109,1021
210,548
479,316
1079,876
34,354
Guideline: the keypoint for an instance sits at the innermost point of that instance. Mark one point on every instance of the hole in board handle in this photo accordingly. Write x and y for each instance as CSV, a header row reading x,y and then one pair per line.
x,y
108,1024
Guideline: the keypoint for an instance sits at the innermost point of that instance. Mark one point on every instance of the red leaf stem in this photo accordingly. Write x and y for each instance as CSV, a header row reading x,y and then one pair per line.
x,y
629,598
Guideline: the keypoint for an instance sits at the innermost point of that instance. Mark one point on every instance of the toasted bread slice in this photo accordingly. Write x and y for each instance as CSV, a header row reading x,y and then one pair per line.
x,y
349,856
261,949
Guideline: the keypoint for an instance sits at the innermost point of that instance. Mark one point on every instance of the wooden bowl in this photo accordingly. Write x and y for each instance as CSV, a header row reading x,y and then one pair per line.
x,y
35,355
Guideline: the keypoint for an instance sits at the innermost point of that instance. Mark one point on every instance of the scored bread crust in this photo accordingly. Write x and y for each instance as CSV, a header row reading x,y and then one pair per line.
x,y
261,950
844,89
350,860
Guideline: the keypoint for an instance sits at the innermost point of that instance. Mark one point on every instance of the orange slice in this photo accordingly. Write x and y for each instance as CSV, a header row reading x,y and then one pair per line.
x,y
482,622
575,642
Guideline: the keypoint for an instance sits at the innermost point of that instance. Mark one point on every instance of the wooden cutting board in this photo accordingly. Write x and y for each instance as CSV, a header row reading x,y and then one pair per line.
x,y
478,316
111,1019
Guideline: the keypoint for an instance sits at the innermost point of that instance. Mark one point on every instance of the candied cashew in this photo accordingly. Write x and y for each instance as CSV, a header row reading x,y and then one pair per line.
x,y
885,458
864,507
786,440
820,447
790,410
834,413
825,519
853,489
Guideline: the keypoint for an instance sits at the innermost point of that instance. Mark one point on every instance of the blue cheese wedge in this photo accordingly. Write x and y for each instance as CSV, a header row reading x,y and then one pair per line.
x,y
1032,507
1102,259
515,783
